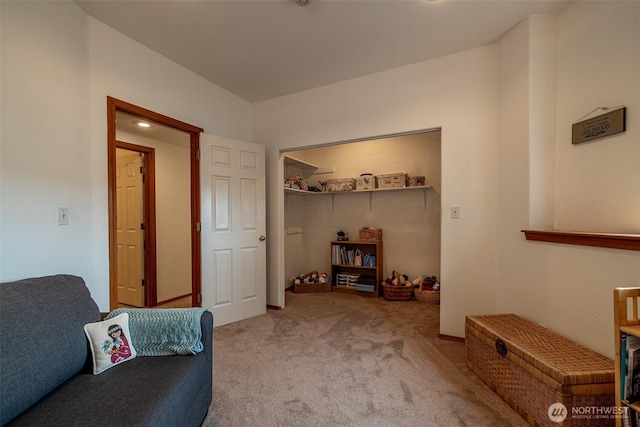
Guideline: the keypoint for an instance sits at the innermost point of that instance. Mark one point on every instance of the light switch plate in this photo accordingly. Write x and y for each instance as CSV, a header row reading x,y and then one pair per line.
x,y
63,216
455,212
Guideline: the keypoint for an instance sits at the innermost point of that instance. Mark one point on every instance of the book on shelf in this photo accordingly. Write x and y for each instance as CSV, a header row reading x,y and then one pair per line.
x,y
630,417
626,416
633,372
630,368
342,255
623,365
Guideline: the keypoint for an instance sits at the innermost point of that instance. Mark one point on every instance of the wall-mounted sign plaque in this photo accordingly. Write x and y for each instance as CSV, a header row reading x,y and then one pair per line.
x,y
606,124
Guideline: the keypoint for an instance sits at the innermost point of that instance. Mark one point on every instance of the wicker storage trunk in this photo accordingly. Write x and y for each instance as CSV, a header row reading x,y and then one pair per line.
x,y
532,368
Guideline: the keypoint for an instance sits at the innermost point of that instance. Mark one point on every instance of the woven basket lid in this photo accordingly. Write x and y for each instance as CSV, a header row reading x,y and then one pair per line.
x,y
564,360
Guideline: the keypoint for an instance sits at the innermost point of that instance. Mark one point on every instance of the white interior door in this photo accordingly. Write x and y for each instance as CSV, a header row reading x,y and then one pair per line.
x,y
234,276
129,233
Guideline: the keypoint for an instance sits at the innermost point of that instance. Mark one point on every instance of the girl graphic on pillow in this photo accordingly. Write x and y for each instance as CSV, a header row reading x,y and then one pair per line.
x,y
118,347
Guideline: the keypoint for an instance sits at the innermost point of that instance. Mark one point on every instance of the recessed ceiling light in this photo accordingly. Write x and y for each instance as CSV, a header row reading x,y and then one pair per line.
x,y
142,124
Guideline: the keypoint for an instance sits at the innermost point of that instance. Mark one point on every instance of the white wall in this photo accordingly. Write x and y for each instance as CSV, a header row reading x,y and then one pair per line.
x,y
605,173
457,93
596,185
173,166
45,132
58,67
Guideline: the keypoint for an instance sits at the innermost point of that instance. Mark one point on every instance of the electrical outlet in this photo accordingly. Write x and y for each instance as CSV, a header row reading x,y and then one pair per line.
x,y
455,212
63,216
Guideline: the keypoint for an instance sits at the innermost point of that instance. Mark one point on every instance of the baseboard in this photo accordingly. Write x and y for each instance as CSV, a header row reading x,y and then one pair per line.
x,y
451,338
273,307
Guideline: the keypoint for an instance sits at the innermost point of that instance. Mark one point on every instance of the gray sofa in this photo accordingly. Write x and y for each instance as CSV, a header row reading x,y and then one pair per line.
x,y
46,366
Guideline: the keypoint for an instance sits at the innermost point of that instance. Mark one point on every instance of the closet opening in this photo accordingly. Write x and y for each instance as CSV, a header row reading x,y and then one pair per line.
x,y
410,217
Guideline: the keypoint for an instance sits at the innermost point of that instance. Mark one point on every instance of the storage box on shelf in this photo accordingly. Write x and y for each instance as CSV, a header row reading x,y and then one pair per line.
x,y
341,184
532,368
370,234
415,181
365,288
366,182
343,279
392,180
346,276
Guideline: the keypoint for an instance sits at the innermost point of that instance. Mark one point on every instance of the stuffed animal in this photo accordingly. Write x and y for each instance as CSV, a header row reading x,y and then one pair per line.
x,y
397,279
426,283
312,277
417,282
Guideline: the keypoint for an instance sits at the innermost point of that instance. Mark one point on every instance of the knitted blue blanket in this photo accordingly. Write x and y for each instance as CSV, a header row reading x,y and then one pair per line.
x,y
164,331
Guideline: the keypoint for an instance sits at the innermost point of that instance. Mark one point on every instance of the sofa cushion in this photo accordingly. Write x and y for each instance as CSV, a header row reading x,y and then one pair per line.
x,y
43,342
110,342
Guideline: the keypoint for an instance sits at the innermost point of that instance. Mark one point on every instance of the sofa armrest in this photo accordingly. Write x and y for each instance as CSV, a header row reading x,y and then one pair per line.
x,y
206,326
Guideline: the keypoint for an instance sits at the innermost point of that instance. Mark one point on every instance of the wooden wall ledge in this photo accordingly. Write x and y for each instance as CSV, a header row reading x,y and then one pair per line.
x,y
604,240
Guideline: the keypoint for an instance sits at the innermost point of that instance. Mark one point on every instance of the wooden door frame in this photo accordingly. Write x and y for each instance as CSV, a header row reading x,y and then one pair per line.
x,y
149,219
114,105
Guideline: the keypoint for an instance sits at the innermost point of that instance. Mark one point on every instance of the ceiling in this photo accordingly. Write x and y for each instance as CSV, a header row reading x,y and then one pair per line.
x,y
128,123
261,49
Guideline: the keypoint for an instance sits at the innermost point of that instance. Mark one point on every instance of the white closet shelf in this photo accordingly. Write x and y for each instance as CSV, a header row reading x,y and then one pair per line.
x,y
301,164
373,190
424,188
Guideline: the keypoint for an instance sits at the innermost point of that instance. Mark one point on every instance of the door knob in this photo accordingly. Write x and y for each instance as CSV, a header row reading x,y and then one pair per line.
x,y
262,238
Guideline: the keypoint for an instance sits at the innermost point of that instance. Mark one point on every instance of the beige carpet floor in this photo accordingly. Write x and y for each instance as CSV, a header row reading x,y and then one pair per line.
x,y
341,360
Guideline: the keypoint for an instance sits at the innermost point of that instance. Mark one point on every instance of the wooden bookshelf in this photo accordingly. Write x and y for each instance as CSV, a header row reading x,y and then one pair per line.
x,y
626,321
340,267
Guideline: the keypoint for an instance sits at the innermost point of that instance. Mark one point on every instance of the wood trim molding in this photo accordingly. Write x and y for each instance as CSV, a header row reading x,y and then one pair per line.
x,y
629,242
152,115
196,250
111,196
451,338
114,105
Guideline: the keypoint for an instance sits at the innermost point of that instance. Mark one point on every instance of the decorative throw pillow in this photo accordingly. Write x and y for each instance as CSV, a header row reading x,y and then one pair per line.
x,y
110,342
